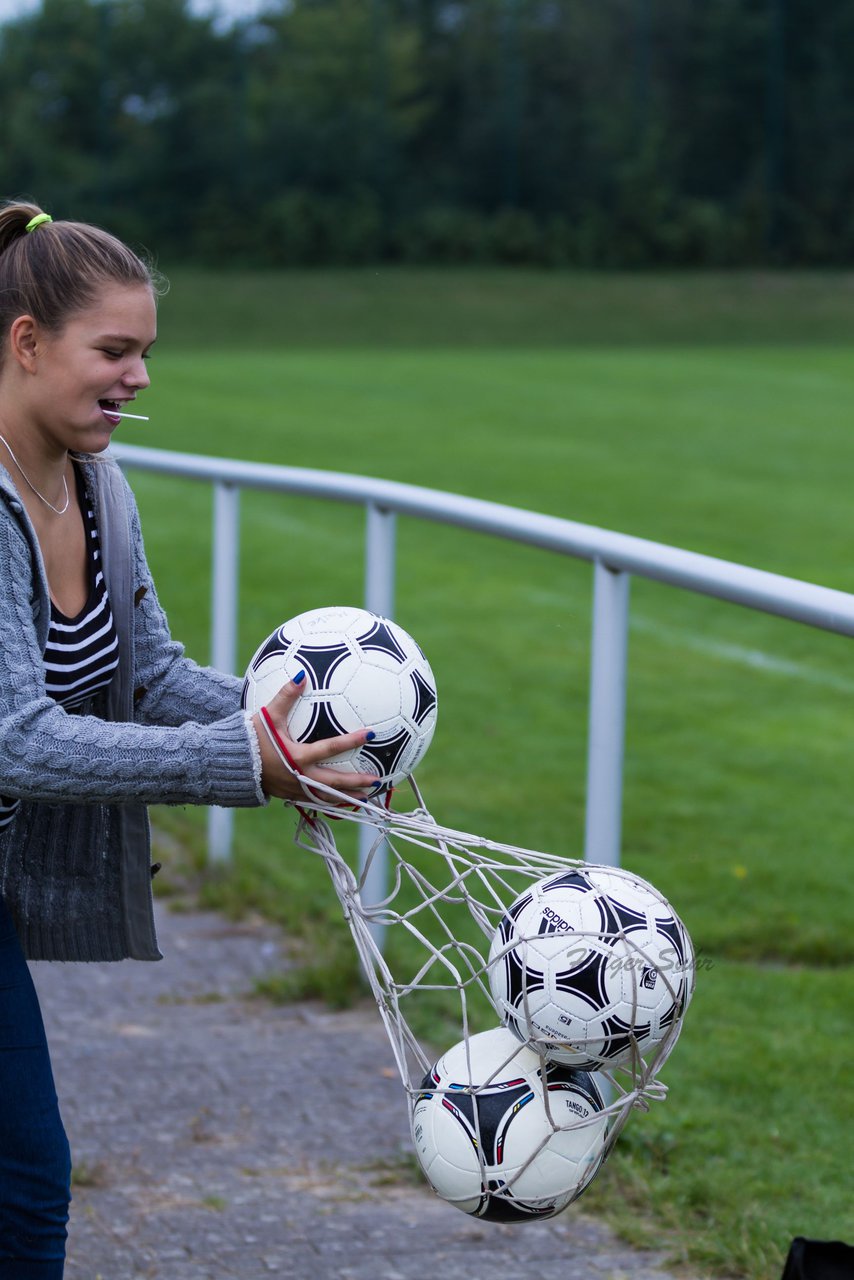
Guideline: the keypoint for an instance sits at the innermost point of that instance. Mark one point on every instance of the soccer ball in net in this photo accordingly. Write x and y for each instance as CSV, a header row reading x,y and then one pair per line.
x,y
362,671
593,966
503,1135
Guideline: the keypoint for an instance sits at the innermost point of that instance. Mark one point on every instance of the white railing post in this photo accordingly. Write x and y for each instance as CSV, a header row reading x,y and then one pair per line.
x,y
225,561
609,645
380,537
380,540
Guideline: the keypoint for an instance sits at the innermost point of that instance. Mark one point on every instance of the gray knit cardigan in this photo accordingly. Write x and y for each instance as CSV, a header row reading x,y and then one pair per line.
x,y
75,864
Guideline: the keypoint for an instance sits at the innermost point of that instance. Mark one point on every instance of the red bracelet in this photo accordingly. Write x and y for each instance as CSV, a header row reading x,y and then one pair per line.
x,y
268,720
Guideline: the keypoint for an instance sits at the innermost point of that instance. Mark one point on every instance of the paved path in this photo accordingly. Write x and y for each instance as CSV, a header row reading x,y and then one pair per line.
x,y
218,1136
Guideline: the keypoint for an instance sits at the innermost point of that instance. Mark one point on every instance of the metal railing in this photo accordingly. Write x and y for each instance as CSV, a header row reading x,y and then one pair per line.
x,y
615,556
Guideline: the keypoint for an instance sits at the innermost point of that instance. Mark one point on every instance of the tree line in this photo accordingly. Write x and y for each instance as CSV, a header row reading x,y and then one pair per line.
x,y
589,133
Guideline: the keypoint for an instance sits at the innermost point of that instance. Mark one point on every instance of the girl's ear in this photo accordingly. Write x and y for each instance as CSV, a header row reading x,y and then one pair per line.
x,y
23,341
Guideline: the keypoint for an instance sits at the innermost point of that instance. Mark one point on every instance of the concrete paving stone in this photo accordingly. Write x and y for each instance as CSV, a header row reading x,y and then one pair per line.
x,y
216,1135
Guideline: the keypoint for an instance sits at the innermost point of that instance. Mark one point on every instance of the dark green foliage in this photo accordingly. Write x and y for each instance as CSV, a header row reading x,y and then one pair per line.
x,y
573,133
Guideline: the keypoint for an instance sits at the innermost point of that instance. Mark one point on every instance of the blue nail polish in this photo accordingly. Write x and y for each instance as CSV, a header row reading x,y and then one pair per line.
x,y
299,677
371,736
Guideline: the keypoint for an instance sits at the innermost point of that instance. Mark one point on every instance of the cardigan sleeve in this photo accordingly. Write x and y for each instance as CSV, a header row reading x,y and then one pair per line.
x,y
50,755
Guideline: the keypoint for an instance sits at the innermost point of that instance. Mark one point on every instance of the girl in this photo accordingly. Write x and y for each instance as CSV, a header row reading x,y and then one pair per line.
x,y
100,712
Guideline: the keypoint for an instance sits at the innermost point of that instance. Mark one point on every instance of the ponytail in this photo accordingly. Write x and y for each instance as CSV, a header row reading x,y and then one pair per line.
x,y
50,270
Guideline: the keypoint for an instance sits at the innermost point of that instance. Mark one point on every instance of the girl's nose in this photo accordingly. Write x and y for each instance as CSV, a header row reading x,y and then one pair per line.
x,y
137,375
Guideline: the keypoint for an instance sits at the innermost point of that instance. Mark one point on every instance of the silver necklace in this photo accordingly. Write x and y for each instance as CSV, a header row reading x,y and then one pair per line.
x,y
60,511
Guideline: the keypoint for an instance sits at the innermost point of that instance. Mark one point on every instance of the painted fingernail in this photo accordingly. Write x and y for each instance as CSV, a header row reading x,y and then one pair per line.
x,y
370,736
299,677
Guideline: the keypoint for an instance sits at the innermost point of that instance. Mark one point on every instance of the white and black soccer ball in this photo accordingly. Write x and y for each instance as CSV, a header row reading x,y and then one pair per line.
x,y
594,967
362,671
503,1135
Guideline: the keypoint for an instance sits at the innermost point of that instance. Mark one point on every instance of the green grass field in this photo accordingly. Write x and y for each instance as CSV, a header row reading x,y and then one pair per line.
x,y
713,413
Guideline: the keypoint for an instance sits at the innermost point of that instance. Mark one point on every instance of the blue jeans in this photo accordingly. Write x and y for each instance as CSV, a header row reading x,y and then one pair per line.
x,y
35,1163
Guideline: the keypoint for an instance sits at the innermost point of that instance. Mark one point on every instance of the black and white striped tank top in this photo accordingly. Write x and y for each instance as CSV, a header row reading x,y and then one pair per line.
x,y
82,653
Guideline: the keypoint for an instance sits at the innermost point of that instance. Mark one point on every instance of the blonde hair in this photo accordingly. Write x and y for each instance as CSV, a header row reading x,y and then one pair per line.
x,y
57,268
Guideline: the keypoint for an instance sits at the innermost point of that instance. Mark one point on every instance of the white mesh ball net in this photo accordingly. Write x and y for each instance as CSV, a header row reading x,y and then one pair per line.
x,y
447,957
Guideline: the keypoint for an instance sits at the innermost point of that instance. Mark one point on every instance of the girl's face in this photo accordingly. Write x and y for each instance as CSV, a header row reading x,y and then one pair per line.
x,y
93,368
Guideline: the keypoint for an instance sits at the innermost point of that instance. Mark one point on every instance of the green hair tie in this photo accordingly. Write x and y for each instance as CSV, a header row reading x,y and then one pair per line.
x,y
38,221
